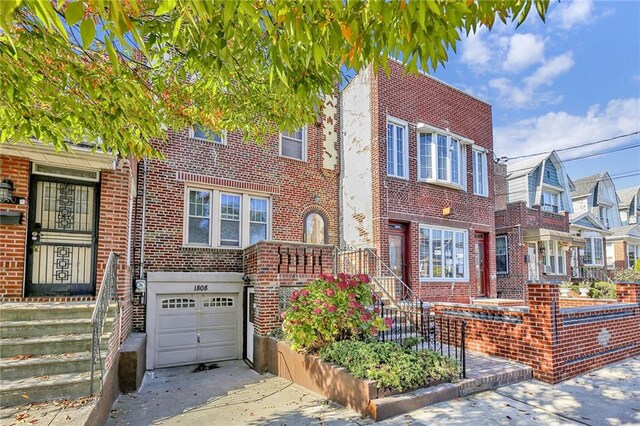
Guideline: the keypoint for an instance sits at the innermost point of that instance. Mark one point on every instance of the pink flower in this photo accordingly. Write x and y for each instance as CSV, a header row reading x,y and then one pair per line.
x,y
294,295
331,308
354,304
283,315
376,310
342,276
329,292
365,317
318,301
317,311
374,298
331,279
325,304
342,285
304,293
352,283
373,331
388,322
294,308
352,296
351,311
364,278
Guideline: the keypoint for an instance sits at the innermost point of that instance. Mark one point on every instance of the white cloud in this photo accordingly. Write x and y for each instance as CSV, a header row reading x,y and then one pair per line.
x,y
573,13
475,51
556,130
524,51
527,92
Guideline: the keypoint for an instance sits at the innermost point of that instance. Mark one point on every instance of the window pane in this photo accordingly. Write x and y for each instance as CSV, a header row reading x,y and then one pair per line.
x,y
295,135
425,252
455,167
206,134
501,254
199,203
230,207
460,255
437,253
588,258
390,150
258,211
257,232
198,230
426,156
229,233
314,229
442,158
598,251
400,149
292,148
448,254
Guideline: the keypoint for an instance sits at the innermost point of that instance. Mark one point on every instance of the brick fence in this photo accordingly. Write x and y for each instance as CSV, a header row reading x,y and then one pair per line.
x,y
557,342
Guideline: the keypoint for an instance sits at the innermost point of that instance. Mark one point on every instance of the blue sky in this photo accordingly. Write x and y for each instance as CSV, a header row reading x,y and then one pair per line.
x,y
572,80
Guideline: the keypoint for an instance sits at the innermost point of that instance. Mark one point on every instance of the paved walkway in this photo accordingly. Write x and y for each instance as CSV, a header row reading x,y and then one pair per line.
x,y
234,395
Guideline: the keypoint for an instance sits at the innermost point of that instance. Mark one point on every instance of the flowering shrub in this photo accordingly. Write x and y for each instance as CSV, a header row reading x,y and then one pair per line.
x,y
330,309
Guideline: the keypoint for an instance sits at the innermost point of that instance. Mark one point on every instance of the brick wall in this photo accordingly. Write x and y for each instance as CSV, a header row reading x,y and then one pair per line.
x,y
620,255
414,99
558,343
13,237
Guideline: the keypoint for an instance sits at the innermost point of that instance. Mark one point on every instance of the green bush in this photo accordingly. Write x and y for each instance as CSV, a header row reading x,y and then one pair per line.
x,y
391,365
636,266
603,290
330,309
631,275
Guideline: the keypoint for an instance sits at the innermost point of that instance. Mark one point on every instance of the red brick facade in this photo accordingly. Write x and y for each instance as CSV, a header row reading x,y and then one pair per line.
x,y
422,99
559,343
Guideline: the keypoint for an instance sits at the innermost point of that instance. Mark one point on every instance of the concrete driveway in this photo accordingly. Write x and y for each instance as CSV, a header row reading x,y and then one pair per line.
x,y
234,394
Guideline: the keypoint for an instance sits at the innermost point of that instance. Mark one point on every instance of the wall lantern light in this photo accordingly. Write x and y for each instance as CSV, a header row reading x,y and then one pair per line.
x,y
6,192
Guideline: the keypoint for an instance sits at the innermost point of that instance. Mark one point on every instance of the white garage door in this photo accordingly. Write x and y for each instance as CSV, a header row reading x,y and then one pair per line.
x,y
195,328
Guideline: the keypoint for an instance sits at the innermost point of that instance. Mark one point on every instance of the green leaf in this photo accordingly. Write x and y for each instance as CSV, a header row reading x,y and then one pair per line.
x,y
113,55
74,12
87,32
165,7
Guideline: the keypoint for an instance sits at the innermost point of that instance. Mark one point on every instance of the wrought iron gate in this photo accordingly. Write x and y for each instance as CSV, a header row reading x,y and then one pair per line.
x,y
61,243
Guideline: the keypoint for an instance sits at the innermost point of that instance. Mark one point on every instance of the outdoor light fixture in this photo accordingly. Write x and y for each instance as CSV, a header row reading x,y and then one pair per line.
x,y
247,279
6,192
315,198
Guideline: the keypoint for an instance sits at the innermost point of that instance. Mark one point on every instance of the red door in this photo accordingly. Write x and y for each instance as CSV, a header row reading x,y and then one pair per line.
x,y
398,253
482,281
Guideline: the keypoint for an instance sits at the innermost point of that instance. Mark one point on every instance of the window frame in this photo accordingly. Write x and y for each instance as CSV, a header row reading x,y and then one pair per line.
x,y
475,152
591,244
558,199
222,134
433,156
466,260
304,143
304,226
557,251
506,254
215,218
405,146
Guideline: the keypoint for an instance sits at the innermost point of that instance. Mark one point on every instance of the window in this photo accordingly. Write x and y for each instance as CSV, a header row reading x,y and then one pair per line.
x,y
397,149
216,302
605,216
502,256
633,252
443,254
480,174
222,219
204,134
610,256
550,202
294,144
441,159
315,229
554,258
177,303
593,251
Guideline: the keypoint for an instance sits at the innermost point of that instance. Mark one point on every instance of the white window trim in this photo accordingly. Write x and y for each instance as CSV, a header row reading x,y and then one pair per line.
x,y
506,244
305,146
462,160
405,125
547,255
466,259
554,191
485,171
215,217
222,133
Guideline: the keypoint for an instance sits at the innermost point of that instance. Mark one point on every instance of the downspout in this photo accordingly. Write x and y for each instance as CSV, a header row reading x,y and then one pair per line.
x,y
144,216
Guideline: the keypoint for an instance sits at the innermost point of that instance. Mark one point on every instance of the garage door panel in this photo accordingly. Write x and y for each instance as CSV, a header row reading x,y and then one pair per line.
x,y
177,340
176,357
177,323
212,320
218,353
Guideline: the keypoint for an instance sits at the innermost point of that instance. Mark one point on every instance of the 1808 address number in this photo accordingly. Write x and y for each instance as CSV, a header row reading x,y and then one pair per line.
x,y
200,287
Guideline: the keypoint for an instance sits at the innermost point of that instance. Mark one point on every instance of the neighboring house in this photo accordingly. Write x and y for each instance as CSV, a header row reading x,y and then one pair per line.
x,y
589,262
623,247
597,194
62,215
216,217
417,182
532,223
629,205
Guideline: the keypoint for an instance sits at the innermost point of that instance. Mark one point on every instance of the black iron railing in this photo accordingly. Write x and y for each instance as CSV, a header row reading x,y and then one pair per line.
x,y
108,292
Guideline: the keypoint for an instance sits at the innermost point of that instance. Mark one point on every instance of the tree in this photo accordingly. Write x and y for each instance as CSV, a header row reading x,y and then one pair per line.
x,y
121,72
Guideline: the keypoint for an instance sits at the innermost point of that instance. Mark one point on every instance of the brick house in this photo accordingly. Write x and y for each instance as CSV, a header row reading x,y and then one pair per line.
x,y
62,216
623,247
417,182
532,223
223,223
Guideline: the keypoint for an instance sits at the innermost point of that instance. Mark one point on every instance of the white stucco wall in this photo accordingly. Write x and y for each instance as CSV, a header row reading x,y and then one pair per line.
x,y
356,179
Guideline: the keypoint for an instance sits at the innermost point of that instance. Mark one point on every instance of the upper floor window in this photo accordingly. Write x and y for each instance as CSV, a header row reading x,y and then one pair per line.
x,y
593,251
551,201
294,144
444,254
204,134
217,218
315,230
605,215
502,256
441,159
397,149
480,174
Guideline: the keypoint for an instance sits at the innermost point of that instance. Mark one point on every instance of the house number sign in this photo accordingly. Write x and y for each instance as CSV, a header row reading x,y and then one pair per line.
x,y
199,287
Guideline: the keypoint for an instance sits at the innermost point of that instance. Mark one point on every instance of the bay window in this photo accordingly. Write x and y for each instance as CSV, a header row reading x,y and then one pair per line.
x,y
441,159
593,251
397,149
444,254
217,218
554,258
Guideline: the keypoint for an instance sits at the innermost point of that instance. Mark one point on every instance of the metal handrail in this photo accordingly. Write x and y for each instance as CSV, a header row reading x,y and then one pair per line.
x,y
107,293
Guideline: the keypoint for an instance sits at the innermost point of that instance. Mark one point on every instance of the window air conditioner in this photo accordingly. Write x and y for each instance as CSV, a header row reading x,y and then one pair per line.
x,y
546,269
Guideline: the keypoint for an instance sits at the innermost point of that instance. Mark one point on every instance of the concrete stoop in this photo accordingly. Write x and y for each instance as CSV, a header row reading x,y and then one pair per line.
x,y
45,351
484,373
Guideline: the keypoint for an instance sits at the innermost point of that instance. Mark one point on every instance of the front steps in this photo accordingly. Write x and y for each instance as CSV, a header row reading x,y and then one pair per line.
x,y
45,351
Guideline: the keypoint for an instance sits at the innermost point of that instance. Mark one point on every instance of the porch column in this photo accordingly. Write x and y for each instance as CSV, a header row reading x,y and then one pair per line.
x,y
543,300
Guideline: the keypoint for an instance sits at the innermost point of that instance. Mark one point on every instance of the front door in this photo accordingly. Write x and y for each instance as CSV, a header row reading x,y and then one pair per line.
x,y
250,318
532,261
481,266
61,243
398,254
